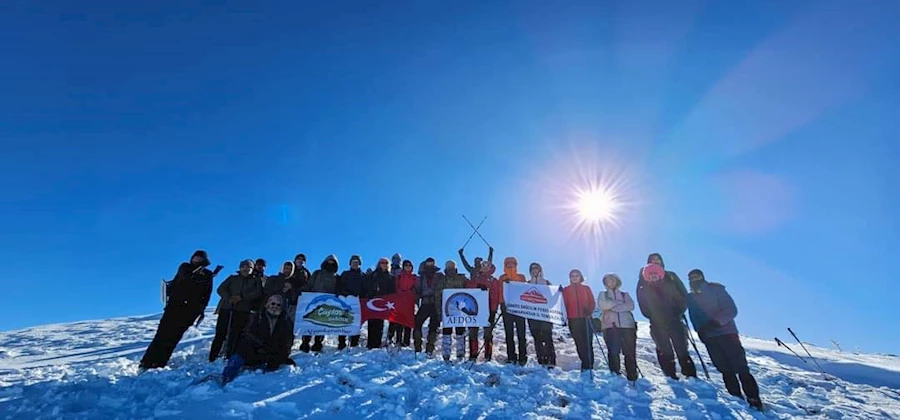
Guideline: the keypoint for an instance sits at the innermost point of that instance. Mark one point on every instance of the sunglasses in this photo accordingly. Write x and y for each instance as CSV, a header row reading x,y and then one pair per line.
x,y
275,305
383,263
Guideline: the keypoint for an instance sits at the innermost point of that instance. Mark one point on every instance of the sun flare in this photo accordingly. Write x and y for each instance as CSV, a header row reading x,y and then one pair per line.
x,y
596,205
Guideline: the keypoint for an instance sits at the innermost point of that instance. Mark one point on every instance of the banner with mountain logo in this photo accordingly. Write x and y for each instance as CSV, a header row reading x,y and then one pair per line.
x,y
327,314
535,301
465,308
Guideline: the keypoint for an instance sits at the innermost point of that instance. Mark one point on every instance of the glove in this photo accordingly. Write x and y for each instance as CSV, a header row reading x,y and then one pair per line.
x,y
461,250
483,287
200,319
369,271
506,281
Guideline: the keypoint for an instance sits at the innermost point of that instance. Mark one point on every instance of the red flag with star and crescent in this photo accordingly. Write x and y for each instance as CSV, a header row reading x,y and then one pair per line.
x,y
397,307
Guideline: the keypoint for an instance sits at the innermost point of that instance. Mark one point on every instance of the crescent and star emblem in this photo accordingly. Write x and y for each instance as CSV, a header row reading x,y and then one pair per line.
x,y
389,306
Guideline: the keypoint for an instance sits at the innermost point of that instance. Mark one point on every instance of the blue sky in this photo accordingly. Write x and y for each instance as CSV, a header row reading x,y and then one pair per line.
x,y
757,142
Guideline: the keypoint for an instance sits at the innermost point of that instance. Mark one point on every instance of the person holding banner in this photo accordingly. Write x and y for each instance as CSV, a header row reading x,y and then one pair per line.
x,y
484,280
541,331
406,282
450,279
513,325
579,301
380,283
350,283
618,326
323,280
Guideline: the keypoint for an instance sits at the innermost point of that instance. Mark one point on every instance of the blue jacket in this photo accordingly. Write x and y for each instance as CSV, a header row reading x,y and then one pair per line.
x,y
712,310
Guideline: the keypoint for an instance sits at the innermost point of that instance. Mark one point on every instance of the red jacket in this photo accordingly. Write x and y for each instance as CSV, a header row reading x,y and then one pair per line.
x,y
494,287
579,301
406,281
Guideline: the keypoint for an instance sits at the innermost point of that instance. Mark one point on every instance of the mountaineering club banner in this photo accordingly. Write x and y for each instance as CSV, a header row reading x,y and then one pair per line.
x,y
464,308
327,314
535,301
398,308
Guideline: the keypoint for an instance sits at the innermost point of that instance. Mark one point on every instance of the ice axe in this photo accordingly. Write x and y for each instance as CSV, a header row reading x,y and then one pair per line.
x,y
476,231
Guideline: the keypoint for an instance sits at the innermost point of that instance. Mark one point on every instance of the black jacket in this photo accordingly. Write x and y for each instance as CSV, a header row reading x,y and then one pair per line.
x,y
191,288
664,301
299,282
379,283
274,286
262,345
351,282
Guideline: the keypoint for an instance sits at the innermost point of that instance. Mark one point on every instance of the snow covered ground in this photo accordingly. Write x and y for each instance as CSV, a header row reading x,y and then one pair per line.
x,y
89,370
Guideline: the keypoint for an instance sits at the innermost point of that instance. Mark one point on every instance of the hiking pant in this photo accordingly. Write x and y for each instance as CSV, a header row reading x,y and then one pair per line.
x,y
514,326
488,339
730,359
342,341
429,312
376,329
624,341
317,345
228,330
671,341
401,332
174,322
447,342
542,332
584,342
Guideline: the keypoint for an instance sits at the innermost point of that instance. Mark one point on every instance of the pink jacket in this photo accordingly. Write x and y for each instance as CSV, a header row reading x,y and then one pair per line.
x,y
616,307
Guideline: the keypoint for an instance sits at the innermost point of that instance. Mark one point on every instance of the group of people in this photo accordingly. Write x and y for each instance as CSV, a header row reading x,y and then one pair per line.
x,y
256,314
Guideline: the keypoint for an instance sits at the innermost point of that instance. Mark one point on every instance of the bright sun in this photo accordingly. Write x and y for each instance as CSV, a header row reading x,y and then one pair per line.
x,y
596,205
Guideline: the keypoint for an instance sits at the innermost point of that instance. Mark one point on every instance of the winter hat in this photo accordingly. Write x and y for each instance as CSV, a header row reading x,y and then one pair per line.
x,y
202,254
396,259
300,256
450,264
696,272
658,255
260,262
653,269
488,267
355,258
383,260
246,263
407,263
290,271
429,260
617,281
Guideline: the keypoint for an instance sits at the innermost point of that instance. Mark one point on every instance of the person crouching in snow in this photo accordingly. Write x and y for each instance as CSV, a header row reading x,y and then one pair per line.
x,y
579,300
484,280
663,300
618,326
450,279
265,342
712,312
513,325
542,331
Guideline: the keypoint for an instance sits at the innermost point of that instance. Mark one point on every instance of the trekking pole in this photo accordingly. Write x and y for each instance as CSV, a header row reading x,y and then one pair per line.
x,y
475,358
597,339
476,231
625,348
807,351
782,344
224,349
694,343
473,233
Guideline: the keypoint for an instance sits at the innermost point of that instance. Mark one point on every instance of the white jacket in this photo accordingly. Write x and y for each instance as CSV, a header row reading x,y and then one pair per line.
x,y
616,307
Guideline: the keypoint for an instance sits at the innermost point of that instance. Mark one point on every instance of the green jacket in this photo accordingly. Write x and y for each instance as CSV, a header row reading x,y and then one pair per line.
x,y
248,288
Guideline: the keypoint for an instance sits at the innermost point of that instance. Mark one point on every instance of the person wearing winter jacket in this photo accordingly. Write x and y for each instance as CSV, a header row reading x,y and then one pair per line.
x,y
712,312
406,281
663,300
264,343
428,275
541,331
474,270
295,285
450,279
189,293
323,280
238,294
579,300
275,285
379,283
485,280
350,284
513,325
618,326
396,265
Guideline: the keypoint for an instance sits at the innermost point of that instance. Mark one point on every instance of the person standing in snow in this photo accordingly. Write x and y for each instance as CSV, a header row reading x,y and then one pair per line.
x,y
618,326
238,293
428,275
541,331
405,281
485,280
579,300
450,279
663,300
713,312
396,265
259,272
323,280
513,325
264,343
379,283
295,285
189,294
473,271
350,283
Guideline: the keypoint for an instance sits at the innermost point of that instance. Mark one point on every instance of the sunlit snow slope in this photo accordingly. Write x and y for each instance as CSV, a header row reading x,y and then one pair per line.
x,y
89,370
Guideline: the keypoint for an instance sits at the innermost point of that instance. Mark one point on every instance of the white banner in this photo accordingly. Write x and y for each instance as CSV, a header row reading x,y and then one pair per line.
x,y
465,308
535,301
327,314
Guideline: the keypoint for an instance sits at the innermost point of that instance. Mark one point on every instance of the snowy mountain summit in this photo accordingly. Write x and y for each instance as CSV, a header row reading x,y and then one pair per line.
x,y
89,370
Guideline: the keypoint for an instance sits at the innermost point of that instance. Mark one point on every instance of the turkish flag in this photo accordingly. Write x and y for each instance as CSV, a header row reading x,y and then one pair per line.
x,y
396,307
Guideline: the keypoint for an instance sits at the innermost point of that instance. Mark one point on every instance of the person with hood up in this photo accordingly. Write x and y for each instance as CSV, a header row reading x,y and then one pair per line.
x,y
513,325
189,293
380,283
485,280
450,279
579,300
473,270
405,281
238,294
541,331
264,343
428,275
295,285
350,283
618,326
713,312
323,280
396,265
663,300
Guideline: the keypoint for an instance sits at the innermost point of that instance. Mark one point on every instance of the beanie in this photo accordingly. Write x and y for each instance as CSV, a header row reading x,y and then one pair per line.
x,y
247,263
695,273
355,258
653,269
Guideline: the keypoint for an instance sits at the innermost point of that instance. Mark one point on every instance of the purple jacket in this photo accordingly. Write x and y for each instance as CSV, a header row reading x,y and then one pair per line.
x,y
712,310
616,307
